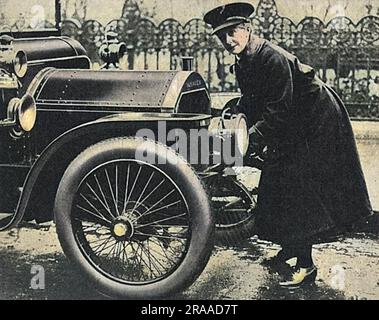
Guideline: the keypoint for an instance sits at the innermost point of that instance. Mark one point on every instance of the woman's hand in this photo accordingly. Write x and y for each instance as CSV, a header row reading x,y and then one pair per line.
x,y
256,144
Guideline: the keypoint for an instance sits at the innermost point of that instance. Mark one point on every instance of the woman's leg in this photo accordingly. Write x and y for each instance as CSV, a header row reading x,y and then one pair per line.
x,y
304,256
305,271
303,253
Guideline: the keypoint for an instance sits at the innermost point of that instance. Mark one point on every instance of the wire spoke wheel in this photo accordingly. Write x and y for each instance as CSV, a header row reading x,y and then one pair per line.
x,y
234,209
137,229
131,221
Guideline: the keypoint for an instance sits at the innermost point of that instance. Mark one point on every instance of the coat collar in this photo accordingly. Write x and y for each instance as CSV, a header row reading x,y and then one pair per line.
x,y
253,47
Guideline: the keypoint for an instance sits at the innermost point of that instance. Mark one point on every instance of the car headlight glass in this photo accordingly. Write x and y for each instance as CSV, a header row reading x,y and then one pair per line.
x,y
20,64
242,135
27,113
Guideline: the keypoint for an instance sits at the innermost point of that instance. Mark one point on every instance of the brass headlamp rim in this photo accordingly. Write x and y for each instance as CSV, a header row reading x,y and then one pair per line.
x,y
21,112
15,62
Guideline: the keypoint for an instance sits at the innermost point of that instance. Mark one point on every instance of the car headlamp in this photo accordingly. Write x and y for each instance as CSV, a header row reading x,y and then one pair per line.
x,y
233,128
23,112
14,62
20,64
241,134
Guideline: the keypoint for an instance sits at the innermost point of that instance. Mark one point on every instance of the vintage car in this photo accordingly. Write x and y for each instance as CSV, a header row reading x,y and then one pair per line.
x,y
137,216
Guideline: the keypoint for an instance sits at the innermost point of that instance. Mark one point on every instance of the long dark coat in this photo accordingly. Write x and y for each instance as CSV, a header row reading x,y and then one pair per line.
x,y
312,184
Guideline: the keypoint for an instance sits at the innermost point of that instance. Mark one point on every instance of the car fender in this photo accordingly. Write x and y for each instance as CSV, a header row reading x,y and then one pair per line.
x,y
44,176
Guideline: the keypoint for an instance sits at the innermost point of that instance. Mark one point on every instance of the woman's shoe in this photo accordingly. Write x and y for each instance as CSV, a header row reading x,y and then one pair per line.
x,y
300,277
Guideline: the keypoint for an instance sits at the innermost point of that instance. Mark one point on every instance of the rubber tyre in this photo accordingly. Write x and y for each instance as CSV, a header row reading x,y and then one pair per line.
x,y
238,232
200,217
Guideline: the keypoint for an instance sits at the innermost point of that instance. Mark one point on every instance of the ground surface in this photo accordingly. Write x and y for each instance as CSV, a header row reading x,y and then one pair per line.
x,y
347,270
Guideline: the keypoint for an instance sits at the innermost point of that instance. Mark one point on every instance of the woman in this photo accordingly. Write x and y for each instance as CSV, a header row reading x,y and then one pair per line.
x,y
312,186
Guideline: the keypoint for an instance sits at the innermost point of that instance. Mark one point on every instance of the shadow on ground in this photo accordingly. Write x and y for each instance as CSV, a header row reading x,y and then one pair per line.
x,y
62,280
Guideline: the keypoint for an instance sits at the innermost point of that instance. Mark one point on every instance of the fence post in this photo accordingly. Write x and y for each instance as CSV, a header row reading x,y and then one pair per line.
x,y
130,52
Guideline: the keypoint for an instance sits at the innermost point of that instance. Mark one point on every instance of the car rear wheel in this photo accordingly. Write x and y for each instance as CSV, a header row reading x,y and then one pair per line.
x,y
234,209
137,229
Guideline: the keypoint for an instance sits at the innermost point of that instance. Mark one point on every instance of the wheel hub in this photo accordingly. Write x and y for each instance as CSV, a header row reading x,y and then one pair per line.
x,y
123,229
120,229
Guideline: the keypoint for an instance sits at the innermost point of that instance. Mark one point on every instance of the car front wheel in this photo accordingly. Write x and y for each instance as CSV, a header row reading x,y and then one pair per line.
x,y
137,229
